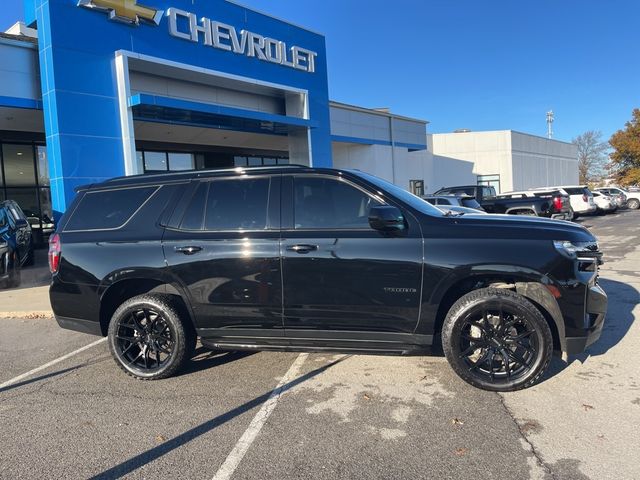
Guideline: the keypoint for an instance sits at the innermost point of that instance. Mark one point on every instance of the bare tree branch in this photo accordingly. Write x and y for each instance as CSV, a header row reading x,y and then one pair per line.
x,y
592,155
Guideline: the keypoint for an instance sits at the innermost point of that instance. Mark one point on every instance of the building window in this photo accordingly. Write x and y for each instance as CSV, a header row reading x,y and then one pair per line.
x,y
179,162
490,181
416,187
155,162
256,161
24,177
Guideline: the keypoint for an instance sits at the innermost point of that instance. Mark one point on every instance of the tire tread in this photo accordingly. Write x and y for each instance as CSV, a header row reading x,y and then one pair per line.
x,y
486,293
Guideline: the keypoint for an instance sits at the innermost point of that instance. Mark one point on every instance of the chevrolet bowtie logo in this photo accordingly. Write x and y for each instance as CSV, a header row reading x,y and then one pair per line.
x,y
127,11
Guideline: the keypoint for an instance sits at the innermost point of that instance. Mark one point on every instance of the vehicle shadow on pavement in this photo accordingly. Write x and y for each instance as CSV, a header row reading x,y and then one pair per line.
x,y
152,454
623,298
205,358
47,376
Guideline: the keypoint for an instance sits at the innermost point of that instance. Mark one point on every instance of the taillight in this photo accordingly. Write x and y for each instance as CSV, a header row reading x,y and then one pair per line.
x,y
557,203
54,253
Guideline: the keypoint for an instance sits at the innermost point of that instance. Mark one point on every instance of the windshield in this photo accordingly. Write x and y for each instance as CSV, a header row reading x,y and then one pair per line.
x,y
405,196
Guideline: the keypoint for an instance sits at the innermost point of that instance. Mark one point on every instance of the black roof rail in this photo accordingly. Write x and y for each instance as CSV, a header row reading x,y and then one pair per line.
x,y
197,173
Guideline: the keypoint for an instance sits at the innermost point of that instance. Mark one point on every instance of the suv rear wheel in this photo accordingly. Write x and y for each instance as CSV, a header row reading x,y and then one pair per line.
x,y
497,340
147,338
633,204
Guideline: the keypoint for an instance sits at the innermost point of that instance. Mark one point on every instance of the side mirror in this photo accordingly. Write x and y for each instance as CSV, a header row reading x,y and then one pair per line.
x,y
386,218
21,223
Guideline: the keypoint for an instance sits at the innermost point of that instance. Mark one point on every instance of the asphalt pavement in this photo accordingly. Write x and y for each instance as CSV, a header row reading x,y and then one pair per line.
x,y
333,416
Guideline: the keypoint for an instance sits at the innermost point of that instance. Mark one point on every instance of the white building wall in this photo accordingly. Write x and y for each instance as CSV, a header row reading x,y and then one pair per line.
x,y
399,168
460,157
540,162
373,159
19,77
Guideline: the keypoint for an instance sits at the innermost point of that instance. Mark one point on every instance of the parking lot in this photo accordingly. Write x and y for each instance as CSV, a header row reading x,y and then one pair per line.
x,y
290,415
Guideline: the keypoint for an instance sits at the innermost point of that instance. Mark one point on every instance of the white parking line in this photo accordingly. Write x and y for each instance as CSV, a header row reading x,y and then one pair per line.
x,y
50,364
235,457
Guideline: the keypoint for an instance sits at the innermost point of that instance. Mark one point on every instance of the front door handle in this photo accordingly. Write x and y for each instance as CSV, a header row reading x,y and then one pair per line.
x,y
189,250
302,248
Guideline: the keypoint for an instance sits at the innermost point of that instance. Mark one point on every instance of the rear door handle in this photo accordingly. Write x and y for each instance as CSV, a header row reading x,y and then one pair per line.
x,y
189,250
302,248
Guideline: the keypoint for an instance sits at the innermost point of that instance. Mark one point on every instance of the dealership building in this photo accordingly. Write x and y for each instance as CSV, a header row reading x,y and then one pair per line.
x,y
94,89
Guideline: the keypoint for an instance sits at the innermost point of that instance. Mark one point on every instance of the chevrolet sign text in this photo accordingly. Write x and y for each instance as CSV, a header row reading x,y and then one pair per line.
x,y
219,35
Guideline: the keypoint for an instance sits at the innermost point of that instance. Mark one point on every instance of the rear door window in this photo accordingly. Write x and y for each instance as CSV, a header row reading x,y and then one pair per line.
x,y
237,204
108,209
223,205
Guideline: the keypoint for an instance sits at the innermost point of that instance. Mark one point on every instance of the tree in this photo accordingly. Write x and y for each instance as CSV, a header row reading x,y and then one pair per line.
x,y
626,151
592,155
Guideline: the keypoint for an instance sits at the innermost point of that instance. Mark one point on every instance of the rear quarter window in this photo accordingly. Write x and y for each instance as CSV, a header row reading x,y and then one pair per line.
x,y
108,209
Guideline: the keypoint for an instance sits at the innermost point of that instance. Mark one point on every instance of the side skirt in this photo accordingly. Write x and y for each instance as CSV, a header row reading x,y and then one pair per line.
x,y
322,342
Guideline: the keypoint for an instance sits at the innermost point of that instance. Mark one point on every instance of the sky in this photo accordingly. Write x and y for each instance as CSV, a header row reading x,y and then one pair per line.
x,y
475,64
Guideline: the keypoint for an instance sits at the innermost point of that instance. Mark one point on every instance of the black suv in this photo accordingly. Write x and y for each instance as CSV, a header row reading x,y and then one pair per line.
x,y
16,243
297,258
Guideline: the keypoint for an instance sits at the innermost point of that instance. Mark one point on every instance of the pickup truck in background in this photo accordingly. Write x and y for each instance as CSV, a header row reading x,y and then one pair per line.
x,y
545,203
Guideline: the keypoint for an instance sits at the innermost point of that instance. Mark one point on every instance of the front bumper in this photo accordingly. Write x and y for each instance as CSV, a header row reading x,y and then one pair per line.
x,y
595,313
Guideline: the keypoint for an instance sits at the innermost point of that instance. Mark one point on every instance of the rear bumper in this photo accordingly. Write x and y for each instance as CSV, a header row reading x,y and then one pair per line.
x,y
595,313
75,307
79,325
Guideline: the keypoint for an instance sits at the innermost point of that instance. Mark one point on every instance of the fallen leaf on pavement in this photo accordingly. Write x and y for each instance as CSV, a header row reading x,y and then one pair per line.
x,y
160,439
457,421
587,407
461,451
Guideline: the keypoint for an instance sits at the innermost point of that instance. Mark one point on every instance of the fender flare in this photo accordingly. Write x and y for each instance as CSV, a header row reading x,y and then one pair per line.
x,y
170,284
539,294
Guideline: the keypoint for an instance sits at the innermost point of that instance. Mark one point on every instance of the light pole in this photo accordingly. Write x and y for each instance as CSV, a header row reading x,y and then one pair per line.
x,y
550,118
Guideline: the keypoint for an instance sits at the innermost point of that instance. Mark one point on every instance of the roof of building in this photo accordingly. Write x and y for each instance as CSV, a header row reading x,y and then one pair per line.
x,y
19,38
375,111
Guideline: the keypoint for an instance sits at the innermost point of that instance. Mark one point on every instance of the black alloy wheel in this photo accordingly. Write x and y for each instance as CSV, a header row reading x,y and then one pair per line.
x,y
144,339
147,338
497,340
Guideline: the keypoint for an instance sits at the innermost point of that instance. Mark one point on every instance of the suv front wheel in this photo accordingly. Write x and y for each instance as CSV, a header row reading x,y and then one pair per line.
x,y
497,340
147,338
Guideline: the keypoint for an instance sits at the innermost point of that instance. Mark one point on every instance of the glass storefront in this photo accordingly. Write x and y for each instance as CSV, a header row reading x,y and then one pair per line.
x,y
24,177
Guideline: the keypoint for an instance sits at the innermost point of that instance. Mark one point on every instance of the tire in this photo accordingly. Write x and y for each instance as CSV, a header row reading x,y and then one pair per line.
x,y
508,336
146,328
633,204
15,277
30,260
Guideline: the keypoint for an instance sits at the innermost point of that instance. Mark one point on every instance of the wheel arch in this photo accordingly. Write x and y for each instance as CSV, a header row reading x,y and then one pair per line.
x,y
532,288
114,294
528,210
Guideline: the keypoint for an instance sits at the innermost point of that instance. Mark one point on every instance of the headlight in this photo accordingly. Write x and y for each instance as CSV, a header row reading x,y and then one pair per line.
x,y
580,250
566,248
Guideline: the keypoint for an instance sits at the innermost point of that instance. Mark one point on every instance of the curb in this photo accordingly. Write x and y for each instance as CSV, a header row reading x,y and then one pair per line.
x,y
46,315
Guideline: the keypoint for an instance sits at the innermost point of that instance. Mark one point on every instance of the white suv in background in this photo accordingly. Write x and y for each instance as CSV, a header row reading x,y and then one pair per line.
x,y
633,198
580,197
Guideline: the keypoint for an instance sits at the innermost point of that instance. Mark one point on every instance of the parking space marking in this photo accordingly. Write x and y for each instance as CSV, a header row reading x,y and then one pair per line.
x,y
232,461
19,378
